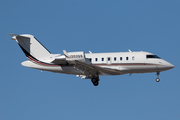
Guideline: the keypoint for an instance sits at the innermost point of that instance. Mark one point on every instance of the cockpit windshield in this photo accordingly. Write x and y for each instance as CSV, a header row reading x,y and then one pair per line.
x,y
152,56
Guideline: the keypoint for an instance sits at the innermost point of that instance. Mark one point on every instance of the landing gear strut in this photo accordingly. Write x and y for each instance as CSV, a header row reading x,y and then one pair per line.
x,y
157,79
95,81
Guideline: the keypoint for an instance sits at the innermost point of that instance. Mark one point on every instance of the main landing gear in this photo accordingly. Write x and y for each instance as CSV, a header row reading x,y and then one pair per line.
x,y
157,79
95,81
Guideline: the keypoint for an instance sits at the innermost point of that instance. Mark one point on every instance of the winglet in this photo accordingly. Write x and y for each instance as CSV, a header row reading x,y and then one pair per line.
x,y
129,50
66,54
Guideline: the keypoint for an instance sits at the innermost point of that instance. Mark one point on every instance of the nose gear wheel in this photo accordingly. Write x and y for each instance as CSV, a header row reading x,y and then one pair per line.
x,y
157,79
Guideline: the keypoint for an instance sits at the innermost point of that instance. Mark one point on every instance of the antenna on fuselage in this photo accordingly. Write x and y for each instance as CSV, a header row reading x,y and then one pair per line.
x,y
129,50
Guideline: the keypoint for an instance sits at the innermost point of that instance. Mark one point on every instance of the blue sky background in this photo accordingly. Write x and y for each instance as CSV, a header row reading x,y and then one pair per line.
x,y
99,26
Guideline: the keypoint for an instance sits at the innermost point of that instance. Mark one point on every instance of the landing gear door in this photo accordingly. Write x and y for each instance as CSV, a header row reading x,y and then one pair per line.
x,y
108,60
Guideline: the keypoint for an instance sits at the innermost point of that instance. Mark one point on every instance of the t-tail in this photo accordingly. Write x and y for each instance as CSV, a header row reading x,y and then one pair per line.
x,y
31,46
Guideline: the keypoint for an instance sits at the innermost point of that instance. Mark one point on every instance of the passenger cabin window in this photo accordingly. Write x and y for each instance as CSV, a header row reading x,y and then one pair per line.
x,y
109,58
114,58
127,58
152,56
96,59
120,58
102,59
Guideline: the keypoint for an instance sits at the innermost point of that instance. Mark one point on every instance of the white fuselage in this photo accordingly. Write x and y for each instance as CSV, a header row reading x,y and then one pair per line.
x,y
121,62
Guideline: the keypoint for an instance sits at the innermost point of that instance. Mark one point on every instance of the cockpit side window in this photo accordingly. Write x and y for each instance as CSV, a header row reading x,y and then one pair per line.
x,y
152,56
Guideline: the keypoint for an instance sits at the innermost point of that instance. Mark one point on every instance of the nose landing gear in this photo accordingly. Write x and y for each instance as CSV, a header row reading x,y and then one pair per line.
x,y
157,79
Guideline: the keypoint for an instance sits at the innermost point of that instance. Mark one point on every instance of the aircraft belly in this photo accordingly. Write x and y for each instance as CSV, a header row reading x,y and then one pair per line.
x,y
55,68
138,69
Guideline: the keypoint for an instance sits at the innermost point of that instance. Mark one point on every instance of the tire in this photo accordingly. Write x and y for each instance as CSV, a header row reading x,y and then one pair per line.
x,y
157,79
96,83
93,80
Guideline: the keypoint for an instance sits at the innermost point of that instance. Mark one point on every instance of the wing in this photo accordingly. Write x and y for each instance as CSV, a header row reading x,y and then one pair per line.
x,y
91,70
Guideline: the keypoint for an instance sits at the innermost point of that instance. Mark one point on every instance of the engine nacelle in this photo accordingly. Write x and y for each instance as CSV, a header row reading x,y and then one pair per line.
x,y
72,56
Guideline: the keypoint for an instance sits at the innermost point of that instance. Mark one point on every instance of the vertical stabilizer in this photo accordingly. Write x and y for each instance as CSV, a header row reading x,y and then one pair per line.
x,y
31,46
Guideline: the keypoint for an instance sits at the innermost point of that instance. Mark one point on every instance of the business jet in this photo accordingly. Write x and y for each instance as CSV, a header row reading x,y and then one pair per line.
x,y
89,65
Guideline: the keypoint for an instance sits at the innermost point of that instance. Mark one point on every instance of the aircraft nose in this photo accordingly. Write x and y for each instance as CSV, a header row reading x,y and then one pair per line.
x,y
169,65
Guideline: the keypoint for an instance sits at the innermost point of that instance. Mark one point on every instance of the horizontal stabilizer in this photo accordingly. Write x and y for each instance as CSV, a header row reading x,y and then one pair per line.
x,y
12,34
15,36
